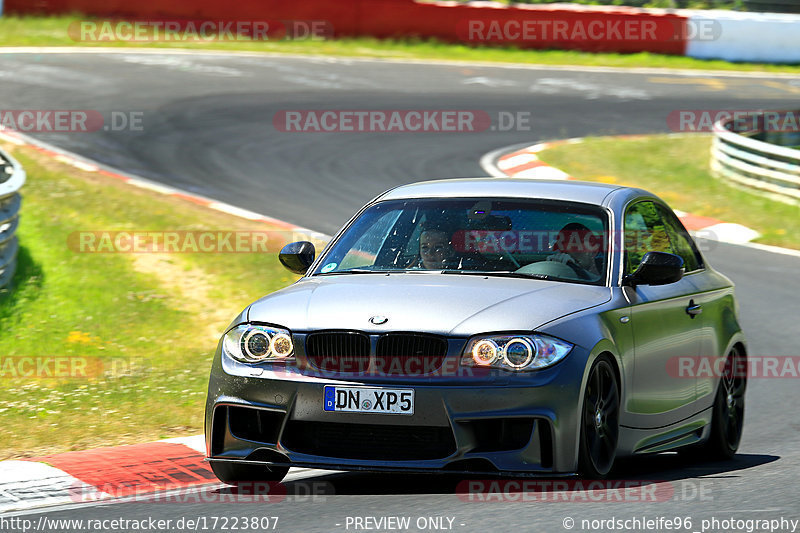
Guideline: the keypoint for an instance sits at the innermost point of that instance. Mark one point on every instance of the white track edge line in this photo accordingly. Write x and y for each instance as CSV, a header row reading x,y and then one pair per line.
x,y
145,183
390,60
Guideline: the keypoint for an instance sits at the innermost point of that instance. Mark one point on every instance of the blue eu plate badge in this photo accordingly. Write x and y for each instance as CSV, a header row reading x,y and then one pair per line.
x,y
330,398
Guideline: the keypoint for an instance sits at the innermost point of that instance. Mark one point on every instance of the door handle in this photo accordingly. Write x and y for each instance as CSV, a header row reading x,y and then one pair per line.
x,y
694,309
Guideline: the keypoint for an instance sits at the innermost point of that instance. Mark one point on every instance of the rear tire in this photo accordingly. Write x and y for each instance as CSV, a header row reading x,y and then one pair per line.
x,y
599,421
235,473
727,422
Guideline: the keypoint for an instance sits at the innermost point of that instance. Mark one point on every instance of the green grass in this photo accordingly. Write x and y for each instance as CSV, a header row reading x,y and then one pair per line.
x,y
677,169
151,320
53,31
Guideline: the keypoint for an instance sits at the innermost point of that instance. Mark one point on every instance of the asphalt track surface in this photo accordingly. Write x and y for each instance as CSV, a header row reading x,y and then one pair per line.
x,y
207,128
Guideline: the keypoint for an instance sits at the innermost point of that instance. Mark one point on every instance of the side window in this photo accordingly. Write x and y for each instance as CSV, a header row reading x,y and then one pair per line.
x,y
682,243
645,231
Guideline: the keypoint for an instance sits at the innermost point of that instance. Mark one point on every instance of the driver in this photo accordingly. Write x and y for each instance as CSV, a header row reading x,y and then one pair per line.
x,y
436,252
575,248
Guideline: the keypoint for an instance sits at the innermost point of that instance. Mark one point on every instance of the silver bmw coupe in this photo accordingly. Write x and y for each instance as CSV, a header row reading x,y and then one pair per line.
x,y
492,326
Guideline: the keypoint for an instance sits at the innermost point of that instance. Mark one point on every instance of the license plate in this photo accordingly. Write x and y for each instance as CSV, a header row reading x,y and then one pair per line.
x,y
369,400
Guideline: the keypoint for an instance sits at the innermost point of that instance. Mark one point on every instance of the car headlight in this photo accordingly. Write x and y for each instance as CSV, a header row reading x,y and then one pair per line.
x,y
515,352
253,343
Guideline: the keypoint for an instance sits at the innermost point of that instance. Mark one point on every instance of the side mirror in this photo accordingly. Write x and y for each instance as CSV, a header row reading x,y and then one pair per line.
x,y
297,256
657,268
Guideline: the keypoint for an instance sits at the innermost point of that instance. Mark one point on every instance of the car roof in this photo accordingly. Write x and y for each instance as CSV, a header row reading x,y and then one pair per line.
x,y
573,191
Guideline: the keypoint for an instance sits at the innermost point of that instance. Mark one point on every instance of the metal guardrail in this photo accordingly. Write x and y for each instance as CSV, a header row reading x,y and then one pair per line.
x,y
757,157
12,177
772,6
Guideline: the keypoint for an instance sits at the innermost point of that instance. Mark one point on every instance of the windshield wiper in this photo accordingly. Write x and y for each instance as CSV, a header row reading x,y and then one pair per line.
x,y
495,273
357,271
503,273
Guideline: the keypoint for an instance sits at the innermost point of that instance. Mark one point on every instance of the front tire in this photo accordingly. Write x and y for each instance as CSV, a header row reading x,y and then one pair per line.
x,y
599,421
236,473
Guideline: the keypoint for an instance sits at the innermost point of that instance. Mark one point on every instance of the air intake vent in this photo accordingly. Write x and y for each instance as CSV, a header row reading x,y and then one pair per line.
x,y
338,351
368,441
410,353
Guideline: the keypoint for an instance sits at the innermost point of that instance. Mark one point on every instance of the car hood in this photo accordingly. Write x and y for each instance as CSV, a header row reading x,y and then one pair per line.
x,y
458,305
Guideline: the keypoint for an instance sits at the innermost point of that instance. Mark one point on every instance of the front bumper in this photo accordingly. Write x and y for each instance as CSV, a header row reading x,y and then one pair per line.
x,y
525,424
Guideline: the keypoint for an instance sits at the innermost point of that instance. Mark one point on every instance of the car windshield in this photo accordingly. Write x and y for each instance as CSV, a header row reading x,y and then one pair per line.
x,y
553,240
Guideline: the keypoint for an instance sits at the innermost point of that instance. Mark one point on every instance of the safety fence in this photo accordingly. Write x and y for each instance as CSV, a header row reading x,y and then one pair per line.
x,y
759,153
12,177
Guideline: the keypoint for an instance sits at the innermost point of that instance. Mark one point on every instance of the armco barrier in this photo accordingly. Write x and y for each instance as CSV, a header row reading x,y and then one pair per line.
x,y
12,177
741,157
